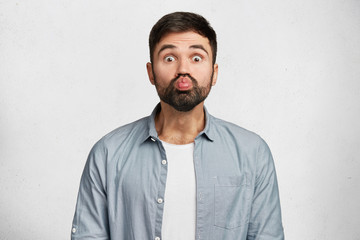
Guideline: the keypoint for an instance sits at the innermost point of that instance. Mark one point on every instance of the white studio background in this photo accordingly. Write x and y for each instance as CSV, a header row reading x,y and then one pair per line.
x,y
71,71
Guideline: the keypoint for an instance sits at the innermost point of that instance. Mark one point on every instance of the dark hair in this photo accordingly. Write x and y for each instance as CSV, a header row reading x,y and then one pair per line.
x,y
182,22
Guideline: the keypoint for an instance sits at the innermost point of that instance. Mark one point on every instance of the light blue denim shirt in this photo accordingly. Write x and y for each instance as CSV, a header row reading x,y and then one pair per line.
x,y
121,195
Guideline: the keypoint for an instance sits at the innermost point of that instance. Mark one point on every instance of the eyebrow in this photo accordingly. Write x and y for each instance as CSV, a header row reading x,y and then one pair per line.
x,y
170,46
199,46
166,46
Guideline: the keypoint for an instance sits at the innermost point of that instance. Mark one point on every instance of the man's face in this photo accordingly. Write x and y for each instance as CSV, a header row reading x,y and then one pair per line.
x,y
182,70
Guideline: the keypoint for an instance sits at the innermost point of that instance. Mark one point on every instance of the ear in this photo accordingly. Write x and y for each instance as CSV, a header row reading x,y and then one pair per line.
x,y
215,74
150,73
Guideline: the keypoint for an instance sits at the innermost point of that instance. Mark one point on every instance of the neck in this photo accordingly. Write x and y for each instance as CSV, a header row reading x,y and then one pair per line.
x,y
178,127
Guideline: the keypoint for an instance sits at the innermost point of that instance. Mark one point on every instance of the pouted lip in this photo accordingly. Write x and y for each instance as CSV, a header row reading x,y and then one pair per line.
x,y
183,84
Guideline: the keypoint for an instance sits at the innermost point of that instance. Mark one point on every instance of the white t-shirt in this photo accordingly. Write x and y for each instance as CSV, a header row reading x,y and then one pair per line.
x,y
179,217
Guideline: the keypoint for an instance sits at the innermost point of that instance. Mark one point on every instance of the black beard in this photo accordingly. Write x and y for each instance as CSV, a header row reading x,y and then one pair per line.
x,y
183,101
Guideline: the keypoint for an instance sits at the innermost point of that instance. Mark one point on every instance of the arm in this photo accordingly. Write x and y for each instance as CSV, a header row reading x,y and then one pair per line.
x,y
265,219
91,219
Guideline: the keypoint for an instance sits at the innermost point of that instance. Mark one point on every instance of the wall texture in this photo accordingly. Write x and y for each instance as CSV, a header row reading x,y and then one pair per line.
x,y
71,71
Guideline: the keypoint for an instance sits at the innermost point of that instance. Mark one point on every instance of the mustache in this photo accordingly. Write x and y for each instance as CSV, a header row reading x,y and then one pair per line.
x,y
193,80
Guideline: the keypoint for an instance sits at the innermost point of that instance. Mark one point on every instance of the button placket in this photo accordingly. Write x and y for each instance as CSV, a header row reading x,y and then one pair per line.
x,y
161,190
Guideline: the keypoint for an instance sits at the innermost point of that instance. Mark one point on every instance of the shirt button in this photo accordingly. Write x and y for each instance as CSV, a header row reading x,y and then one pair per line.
x,y
163,162
152,139
73,230
157,238
160,200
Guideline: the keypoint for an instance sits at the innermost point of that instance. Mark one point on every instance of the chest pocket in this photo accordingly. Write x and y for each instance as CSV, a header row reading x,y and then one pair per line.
x,y
232,201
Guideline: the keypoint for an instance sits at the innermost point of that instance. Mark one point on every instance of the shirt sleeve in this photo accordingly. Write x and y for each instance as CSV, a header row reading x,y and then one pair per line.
x,y
265,219
91,219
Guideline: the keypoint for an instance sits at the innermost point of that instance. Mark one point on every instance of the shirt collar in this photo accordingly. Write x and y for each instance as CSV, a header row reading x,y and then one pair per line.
x,y
152,133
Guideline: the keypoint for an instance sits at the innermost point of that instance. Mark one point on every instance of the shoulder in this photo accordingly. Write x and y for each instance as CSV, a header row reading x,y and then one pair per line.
x,y
250,145
233,131
130,133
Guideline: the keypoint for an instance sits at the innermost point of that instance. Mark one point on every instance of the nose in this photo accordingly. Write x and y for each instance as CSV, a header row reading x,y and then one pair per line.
x,y
183,67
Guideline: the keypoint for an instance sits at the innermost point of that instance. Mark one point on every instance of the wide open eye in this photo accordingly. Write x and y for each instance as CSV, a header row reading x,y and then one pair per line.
x,y
169,59
197,58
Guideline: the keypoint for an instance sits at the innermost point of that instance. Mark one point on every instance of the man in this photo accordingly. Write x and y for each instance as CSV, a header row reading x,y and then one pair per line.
x,y
179,173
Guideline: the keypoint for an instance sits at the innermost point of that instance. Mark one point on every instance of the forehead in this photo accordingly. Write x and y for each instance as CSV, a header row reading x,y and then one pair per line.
x,y
184,39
